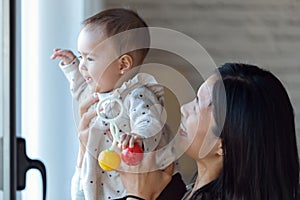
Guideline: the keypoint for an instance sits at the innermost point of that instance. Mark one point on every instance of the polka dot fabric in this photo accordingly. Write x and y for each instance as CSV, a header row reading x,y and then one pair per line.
x,y
143,102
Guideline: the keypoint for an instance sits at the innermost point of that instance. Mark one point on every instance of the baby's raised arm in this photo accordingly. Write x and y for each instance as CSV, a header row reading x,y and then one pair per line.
x,y
69,64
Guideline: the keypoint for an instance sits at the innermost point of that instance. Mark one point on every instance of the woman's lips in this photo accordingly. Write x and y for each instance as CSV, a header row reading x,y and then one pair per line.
x,y
182,133
182,130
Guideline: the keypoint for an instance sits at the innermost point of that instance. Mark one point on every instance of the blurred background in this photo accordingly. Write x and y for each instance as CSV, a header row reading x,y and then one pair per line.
x,y
260,32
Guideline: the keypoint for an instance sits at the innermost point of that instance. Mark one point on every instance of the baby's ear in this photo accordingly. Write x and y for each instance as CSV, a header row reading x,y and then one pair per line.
x,y
125,63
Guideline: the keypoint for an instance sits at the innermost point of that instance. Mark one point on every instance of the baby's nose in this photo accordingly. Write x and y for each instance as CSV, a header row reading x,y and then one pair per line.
x,y
82,66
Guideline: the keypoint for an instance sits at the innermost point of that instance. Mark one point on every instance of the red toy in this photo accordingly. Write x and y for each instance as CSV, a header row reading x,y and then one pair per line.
x,y
132,156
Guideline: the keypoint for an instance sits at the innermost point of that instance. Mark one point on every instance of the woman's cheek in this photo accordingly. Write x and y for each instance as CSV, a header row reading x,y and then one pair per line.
x,y
193,127
193,149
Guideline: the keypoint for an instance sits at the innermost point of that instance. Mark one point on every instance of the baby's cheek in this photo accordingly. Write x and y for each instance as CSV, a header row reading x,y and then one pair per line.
x,y
96,74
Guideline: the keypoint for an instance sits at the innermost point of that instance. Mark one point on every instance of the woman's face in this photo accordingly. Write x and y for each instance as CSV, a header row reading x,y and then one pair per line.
x,y
196,121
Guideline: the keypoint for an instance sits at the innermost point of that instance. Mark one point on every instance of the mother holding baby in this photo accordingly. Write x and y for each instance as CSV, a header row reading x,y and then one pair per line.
x,y
253,153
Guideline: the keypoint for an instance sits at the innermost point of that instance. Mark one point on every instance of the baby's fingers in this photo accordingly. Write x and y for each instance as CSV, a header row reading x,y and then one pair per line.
x,y
55,53
66,55
125,141
135,139
56,49
60,56
131,142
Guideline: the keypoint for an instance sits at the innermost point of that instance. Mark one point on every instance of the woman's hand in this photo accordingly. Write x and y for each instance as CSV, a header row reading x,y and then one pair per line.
x,y
146,185
83,128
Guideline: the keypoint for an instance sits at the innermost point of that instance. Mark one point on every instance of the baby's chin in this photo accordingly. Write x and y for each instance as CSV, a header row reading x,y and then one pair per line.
x,y
93,88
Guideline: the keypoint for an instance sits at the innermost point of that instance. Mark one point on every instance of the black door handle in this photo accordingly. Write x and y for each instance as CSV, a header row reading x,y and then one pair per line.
x,y
24,164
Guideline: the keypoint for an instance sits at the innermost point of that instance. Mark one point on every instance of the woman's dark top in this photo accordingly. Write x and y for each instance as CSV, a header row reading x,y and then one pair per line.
x,y
175,190
209,191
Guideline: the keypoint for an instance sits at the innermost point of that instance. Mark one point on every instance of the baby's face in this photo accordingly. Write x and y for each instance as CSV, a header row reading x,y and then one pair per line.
x,y
99,64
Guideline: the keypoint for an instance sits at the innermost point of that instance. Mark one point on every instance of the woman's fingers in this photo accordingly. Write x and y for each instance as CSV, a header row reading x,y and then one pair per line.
x,y
83,127
86,116
83,137
148,164
84,106
86,119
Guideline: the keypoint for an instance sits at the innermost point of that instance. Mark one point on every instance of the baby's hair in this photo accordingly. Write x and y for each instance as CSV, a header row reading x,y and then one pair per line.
x,y
117,20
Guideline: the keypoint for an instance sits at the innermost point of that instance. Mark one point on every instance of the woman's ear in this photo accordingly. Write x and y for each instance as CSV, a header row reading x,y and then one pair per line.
x,y
125,63
220,151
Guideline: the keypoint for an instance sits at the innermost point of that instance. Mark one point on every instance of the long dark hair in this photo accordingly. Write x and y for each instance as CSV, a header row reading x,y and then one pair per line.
x,y
258,137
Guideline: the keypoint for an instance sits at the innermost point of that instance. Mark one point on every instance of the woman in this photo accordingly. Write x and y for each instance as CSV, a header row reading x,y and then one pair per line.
x,y
258,138
253,153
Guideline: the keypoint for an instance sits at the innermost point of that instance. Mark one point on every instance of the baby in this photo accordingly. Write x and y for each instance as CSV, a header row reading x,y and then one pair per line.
x,y
109,68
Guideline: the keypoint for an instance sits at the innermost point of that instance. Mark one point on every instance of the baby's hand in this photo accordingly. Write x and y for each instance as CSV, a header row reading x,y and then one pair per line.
x,y
127,140
66,56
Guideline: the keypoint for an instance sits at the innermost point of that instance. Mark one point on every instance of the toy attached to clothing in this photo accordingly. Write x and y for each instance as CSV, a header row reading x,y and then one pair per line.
x,y
135,109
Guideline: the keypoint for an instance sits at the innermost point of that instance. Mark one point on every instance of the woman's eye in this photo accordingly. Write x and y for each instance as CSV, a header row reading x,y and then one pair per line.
x,y
195,104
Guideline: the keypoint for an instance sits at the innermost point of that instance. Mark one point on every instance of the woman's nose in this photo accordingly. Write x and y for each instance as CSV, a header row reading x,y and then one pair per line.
x,y
183,110
186,108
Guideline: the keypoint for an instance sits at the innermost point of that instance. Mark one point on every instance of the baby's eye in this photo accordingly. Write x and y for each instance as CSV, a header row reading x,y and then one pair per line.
x,y
79,57
90,59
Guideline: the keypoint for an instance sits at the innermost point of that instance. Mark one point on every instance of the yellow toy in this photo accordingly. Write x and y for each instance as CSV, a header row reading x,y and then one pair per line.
x,y
109,159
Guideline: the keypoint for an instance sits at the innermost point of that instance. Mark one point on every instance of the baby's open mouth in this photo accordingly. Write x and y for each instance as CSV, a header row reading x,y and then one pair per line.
x,y
88,79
